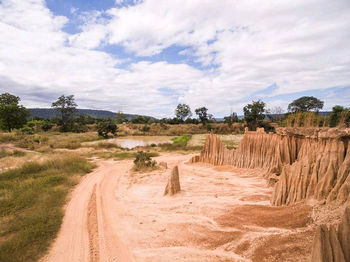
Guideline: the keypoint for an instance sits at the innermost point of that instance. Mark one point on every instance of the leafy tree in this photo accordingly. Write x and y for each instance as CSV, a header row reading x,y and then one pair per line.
x,y
233,118
254,114
105,127
335,116
202,113
120,117
12,115
305,103
67,107
183,111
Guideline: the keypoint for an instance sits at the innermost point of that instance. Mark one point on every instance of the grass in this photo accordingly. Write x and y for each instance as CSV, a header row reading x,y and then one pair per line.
x,y
15,153
182,139
31,201
106,145
49,140
120,155
158,129
180,143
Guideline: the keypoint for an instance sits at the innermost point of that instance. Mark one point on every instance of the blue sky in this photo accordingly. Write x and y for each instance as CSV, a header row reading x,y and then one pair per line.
x,y
147,56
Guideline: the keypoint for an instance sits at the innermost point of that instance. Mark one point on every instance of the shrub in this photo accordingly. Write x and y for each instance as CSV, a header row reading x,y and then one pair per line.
x,y
106,127
209,127
145,128
27,130
143,162
46,126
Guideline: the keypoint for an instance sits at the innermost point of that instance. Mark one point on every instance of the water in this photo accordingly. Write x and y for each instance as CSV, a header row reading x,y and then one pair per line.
x,y
135,141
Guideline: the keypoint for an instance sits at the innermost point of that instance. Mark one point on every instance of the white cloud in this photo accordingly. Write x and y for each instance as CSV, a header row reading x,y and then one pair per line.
x,y
299,45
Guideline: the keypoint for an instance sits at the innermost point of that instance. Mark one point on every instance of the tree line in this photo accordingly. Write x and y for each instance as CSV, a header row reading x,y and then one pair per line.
x,y
14,116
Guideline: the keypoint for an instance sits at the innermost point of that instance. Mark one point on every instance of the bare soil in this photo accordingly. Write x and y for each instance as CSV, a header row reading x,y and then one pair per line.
x,y
220,214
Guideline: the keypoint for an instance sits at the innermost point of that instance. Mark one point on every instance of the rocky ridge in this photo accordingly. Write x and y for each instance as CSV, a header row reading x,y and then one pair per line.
x,y
331,244
306,163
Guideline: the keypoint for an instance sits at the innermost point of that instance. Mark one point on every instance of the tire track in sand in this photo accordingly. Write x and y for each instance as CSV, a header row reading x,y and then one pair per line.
x,y
92,224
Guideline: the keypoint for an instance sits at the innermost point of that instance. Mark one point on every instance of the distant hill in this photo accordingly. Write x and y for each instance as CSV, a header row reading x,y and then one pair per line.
x,y
50,113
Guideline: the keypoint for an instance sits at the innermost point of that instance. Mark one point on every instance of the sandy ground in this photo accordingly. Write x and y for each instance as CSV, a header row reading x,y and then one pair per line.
x,y
231,141
221,214
133,141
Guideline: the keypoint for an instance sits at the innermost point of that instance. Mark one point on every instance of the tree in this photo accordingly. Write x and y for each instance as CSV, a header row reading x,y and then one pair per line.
x,y
335,116
67,107
202,113
305,103
120,117
233,118
183,111
275,114
106,126
254,114
142,120
12,115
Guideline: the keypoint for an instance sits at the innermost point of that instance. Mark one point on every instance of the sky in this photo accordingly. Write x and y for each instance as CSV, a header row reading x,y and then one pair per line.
x,y
148,56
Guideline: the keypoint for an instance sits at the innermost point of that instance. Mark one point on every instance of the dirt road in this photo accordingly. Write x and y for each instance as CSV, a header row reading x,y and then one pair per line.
x,y
221,214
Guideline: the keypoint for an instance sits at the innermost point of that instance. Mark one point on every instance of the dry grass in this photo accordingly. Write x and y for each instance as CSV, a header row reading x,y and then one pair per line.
x,y
230,141
157,129
31,201
43,142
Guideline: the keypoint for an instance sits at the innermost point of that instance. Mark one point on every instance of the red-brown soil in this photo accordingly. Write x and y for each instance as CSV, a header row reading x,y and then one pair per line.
x,y
219,215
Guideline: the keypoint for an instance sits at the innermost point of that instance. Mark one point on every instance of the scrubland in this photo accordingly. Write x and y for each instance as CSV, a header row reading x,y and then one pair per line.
x,y
37,172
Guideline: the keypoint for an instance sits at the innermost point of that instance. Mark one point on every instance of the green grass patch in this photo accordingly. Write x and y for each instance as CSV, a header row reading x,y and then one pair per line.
x,y
182,140
31,200
121,155
179,144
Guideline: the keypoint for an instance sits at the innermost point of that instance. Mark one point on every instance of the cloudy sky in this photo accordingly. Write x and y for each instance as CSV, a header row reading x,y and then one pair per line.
x,y
148,56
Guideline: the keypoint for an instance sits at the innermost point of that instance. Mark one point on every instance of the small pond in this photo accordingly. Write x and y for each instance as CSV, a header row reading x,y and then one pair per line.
x,y
135,141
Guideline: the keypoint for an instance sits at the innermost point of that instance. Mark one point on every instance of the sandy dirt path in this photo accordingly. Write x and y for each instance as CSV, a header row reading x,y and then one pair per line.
x,y
221,214
73,242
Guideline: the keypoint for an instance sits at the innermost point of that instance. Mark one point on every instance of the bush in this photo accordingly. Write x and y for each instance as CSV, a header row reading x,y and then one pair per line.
x,y
46,126
209,127
105,127
267,127
27,130
145,128
143,162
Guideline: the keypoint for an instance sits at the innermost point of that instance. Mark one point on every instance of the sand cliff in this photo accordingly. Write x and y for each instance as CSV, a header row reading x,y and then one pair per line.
x,y
304,162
